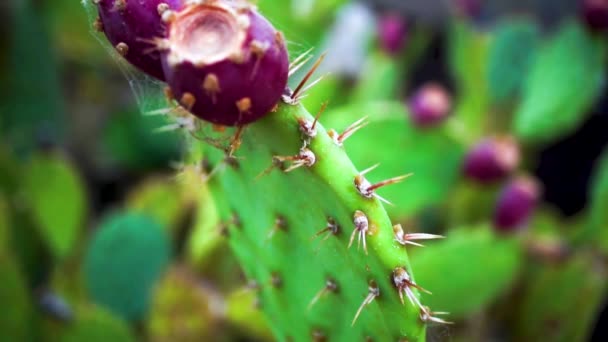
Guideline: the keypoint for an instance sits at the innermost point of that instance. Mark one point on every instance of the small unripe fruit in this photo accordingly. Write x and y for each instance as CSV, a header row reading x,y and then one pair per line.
x,y
392,32
430,105
469,8
225,63
131,26
595,14
492,159
516,204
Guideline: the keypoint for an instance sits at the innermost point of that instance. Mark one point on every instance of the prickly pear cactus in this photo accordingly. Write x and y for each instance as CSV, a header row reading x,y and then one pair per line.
x,y
310,233
308,228
126,257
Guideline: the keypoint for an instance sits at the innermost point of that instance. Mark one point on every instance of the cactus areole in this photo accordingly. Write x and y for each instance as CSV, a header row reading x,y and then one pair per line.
x,y
131,27
224,62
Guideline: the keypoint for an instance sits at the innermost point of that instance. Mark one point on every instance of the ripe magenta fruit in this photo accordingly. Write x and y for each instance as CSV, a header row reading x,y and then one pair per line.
x,y
492,159
224,62
132,25
392,31
516,203
430,105
595,14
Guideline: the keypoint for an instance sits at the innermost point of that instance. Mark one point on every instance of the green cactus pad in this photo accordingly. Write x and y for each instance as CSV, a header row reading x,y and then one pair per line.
x,y
595,232
272,217
181,310
57,199
164,199
511,54
242,312
551,105
125,258
96,325
468,270
432,156
468,53
15,320
561,301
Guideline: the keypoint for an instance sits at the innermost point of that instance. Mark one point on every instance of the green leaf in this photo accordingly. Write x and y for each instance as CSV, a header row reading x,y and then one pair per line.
x,y
433,156
57,199
96,325
241,312
125,258
15,321
206,234
563,82
467,271
130,140
304,27
4,224
561,301
379,80
510,57
165,200
71,33
34,104
181,309
468,53
596,230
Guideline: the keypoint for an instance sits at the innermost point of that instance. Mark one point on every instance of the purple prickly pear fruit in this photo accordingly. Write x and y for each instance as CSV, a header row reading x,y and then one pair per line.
x,y
430,105
595,14
224,62
132,26
392,31
516,203
469,8
492,159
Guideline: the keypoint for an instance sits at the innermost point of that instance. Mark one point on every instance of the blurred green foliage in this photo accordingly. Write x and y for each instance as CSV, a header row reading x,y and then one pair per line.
x,y
481,267
130,140
97,325
57,200
126,257
433,156
511,54
34,109
16,320
559,91
70,127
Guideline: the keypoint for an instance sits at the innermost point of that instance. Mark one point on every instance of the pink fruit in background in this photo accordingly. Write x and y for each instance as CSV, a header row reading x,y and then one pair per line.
x,y
595,14
516,204
392,33
492,159
469,8
430,105
225,62
132,25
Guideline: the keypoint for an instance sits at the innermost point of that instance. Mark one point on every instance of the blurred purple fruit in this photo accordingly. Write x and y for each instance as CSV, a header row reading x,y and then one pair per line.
x,y
516,204
132,26
392,33
469,8
492,159
225,62
430,105
595,14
